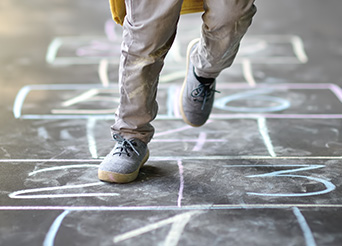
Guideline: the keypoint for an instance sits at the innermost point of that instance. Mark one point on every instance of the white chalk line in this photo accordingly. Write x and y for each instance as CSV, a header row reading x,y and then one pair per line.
x,y
51,235
170,100
181,183
103,72
175,158
202,139
84,96
52,50
298,49
263,130
179,220
248,72
177,229
19,101
309,239
169,208
83,111
91,138
56,168
22,194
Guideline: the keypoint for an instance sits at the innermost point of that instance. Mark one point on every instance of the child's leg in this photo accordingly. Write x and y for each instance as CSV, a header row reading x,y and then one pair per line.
x,y
149,31
224,24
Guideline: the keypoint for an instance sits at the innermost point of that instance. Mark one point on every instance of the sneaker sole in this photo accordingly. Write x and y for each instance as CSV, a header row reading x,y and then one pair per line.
x,y
121,178
191,44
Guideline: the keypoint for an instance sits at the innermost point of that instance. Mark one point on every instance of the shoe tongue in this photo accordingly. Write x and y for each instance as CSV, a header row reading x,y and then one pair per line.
x,y
204,81
207,84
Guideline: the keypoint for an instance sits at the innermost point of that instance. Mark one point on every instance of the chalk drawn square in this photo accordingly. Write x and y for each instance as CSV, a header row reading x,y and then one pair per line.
x,y
173,138
236,100
82,101
295,100
280,49
277,181
83,50
305,137
170,182
274,49
74,182
71,101
196,227
191,228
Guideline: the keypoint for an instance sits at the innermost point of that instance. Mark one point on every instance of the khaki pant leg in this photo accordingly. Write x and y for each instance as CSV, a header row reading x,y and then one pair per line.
x,y
149,30
224,24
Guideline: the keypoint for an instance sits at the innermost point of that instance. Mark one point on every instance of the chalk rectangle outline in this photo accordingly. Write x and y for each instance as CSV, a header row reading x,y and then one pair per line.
x,y
24,91
299,55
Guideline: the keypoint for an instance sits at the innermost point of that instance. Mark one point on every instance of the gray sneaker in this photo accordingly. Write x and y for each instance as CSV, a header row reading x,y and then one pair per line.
x,y
123,163
196,98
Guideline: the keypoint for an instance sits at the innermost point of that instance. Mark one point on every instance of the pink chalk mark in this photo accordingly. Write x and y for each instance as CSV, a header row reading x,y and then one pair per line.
x,y
172,140
336,90
98,48
109,30
177,130
172,131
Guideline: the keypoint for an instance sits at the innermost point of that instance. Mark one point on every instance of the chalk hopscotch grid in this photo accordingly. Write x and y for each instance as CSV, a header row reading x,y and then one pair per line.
x,y
299,57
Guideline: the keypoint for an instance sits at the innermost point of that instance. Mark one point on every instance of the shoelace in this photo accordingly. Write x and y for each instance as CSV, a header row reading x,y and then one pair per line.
x,y
202,93
124,146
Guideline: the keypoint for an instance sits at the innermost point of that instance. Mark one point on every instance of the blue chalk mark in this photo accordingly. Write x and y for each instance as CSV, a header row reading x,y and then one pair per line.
x,y
284,173
278,173
50,236
329,187
309,239
283,104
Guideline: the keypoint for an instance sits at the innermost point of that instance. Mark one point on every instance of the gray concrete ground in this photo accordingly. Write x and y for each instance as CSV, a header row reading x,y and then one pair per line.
x,y
265,170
